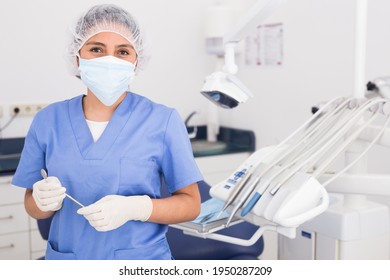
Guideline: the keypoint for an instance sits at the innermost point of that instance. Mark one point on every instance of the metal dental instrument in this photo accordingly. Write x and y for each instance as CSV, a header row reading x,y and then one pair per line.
x,y
44,175
237,190
243,198
207,217
231,197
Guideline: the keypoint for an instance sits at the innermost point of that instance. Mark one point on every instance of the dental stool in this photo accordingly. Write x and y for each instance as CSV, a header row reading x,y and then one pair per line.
x,y
187,247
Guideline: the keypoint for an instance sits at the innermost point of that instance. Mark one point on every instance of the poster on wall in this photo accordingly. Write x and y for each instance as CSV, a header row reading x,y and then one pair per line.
x,y
265,47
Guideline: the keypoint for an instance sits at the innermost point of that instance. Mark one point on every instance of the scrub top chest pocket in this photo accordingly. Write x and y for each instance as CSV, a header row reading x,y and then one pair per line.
x,y
138,177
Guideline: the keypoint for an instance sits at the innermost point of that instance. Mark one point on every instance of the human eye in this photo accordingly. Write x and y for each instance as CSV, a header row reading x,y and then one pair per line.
x,y
126,51
123,52
96,50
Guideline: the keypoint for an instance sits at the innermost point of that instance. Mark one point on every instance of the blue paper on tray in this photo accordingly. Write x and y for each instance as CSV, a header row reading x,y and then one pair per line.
x,y
210,211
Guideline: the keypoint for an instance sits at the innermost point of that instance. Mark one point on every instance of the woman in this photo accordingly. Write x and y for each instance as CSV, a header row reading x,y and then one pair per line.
x,y
111,150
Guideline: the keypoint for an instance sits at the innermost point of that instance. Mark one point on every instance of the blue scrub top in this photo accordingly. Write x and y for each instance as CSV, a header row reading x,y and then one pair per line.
x,y
143,144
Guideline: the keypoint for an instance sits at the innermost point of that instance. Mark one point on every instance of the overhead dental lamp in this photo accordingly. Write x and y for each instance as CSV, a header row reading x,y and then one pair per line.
x,y
223,88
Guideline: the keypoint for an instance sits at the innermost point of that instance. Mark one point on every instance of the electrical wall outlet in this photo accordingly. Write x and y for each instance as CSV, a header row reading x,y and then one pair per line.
x,y
25,109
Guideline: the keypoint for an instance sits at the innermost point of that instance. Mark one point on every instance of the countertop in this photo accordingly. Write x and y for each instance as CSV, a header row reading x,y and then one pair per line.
x,y
229,141
10,150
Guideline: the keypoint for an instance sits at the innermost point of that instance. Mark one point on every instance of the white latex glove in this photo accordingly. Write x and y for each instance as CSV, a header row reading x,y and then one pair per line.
x,y
112,211
48,194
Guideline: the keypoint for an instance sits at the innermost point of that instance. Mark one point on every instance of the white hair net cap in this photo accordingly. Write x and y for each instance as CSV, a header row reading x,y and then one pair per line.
x,y
106,18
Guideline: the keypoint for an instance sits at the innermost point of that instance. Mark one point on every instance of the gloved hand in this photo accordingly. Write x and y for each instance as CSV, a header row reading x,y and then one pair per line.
x,y
112,211
48,194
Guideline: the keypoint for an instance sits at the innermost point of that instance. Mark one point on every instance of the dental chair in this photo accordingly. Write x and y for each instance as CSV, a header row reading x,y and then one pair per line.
x,y
186,247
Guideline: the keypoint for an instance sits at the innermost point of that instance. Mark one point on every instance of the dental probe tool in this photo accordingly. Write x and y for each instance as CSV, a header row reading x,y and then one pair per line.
x,y
44,175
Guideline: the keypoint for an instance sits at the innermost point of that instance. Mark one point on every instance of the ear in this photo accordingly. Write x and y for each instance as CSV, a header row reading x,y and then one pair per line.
x,y
78,65
136,66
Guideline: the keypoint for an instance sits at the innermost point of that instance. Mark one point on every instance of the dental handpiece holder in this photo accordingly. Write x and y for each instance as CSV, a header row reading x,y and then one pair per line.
x,y
299,200
279,188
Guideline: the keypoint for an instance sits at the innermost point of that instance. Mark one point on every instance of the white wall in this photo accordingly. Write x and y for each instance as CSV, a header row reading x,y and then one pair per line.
x,y
318,66
318,60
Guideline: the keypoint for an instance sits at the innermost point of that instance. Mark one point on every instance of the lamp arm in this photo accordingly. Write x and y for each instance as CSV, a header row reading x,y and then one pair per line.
x,y
230,65
251,20
247,24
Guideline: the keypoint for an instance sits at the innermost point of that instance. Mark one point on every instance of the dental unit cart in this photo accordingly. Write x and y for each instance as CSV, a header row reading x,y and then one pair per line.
x,y
341,233
295,190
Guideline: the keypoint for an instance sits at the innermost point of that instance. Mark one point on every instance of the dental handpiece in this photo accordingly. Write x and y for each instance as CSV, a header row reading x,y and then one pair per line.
x,y
237,190
255,198
44,175
260,191
243,198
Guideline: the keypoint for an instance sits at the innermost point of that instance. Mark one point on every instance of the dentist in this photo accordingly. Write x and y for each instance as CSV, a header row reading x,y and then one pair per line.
x,y
112,150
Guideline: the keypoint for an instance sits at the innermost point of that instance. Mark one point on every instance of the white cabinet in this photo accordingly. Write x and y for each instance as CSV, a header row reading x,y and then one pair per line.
x,y
19,235
37,243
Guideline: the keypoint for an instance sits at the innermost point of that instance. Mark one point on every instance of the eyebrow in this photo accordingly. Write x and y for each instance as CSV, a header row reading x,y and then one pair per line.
x,y
125,46
95,43
118,46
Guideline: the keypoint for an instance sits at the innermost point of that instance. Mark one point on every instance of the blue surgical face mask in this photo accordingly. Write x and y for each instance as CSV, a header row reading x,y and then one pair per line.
x,y
107,77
